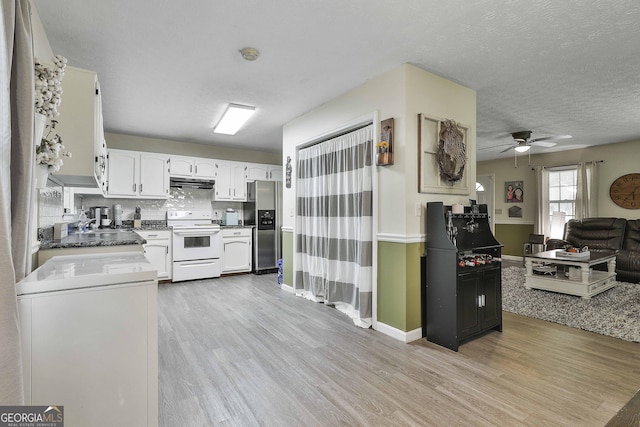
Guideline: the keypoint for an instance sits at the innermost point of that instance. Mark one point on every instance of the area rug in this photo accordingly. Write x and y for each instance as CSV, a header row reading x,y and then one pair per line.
x,y
615,312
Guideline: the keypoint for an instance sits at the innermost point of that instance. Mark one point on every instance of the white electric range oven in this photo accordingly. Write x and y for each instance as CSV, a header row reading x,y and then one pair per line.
x,y
197,245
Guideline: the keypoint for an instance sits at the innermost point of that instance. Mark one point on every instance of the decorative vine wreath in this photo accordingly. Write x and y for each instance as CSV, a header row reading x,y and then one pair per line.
x,y
452,153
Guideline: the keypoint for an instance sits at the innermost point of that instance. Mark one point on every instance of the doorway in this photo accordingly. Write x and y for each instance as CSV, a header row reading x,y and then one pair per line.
x,y
485,194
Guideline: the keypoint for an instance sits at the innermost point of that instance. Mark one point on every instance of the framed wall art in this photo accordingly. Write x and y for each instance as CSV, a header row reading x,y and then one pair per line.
x,y
442,160
514,192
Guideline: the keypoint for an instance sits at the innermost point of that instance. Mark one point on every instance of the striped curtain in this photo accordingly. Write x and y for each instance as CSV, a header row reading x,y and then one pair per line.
x,y
334,224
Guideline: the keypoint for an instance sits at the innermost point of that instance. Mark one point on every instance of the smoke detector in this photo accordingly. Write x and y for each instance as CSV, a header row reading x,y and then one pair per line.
x,y
250,54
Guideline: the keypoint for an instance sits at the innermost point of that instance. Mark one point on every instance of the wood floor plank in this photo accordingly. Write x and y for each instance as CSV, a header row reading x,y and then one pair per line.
x,y
239,351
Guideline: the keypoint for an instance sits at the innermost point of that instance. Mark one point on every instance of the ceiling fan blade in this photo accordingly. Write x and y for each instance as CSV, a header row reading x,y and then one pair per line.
x,y
510,148
491,147
549,138
544,143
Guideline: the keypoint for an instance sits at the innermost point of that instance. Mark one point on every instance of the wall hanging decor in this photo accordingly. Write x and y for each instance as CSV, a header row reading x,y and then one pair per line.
x,y
442,155
514,192
289,169
384,148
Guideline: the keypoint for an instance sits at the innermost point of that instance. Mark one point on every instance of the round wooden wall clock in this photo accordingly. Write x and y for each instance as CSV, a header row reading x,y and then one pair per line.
x,y
625,191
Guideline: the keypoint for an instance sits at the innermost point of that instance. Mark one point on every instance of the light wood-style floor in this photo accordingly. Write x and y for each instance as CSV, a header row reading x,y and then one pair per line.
x,y
238,351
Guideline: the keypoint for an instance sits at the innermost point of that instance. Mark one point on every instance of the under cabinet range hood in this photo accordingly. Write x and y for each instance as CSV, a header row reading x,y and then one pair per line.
x,y
204,184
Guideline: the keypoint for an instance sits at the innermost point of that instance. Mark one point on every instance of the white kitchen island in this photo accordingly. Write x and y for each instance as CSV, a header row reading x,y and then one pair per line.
x,y
89,328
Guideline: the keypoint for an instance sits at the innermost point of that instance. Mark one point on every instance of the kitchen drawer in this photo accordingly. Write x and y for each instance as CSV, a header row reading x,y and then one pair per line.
x,y
236,232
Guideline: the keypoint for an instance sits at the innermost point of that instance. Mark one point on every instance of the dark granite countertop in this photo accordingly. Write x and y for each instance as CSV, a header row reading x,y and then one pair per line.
x,y
104,237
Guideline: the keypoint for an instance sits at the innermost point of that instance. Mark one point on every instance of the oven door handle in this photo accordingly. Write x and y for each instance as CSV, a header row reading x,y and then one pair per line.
x,y
195,233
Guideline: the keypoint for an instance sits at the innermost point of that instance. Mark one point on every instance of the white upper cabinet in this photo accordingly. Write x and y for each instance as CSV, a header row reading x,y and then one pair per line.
x,y
181,166
137,175
192,167
231,181
154,176
257,172
275,173
260,172
204,168
123,169
81,129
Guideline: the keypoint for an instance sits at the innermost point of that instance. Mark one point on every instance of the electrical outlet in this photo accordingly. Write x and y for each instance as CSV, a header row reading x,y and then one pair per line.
x,y
291,212
418,209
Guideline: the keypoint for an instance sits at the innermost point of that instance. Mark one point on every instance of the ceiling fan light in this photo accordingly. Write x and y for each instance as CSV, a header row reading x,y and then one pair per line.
x,y
234,118
522,148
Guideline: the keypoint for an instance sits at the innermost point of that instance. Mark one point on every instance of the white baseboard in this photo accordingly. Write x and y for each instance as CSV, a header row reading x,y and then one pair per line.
x,y
403,336
287,288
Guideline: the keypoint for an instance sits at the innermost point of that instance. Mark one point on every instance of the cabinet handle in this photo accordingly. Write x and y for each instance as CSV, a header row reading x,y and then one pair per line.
x,y
134,188
152,235
141,188
196,169
190,168
166,250
484,301
479,300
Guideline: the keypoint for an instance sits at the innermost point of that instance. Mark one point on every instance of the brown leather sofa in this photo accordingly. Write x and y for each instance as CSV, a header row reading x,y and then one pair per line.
x,y
606,235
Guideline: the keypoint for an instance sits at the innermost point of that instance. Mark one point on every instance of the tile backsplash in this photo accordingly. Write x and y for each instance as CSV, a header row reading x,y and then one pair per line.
x,y
179,198
50,206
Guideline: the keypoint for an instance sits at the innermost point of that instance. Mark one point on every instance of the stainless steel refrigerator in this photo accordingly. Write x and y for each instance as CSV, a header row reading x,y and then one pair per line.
x,y
264,210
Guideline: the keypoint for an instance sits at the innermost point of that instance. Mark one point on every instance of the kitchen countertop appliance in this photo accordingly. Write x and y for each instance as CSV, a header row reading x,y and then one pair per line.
x,y
197,245
263,208
230,217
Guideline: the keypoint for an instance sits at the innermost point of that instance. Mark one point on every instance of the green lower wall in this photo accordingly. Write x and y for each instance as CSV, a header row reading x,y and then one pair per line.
x,y
512,236
399,285
398,281
287,258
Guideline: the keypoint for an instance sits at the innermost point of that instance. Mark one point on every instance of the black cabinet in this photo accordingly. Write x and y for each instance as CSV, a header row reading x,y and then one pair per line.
x,y
462,278
479,300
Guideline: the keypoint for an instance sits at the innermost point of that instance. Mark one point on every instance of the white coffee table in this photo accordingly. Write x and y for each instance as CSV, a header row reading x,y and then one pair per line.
x,y
587,284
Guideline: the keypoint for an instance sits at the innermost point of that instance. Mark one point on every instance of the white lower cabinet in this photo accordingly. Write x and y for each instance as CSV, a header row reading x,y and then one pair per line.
x,y
158,251
236,257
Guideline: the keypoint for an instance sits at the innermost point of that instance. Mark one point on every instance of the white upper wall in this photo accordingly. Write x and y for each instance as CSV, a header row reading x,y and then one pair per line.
x,y
619,159
401,94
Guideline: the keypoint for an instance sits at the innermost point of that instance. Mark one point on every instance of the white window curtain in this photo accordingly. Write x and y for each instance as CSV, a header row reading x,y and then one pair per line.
x,y
587,196
541,224
334,224
17,161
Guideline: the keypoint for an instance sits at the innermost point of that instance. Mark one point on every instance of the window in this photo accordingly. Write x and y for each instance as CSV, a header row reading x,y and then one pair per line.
x,y
479,187
563,186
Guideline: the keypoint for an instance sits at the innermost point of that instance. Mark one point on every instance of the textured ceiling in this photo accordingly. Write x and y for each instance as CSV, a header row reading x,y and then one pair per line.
x,y
168,69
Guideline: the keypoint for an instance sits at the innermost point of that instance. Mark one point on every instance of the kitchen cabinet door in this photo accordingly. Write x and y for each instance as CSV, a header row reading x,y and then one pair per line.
x,y
158,251
257,172
154,175
223,181
239,182
181,166
123,171
80,127
275,173
236,256
204,168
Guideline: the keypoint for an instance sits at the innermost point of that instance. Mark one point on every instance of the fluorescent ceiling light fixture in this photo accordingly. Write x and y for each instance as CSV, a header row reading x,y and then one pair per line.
x,y
522,148
234,118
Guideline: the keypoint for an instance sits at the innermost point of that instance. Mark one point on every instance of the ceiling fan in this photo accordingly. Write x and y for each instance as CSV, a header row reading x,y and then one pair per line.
x,y
523,141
